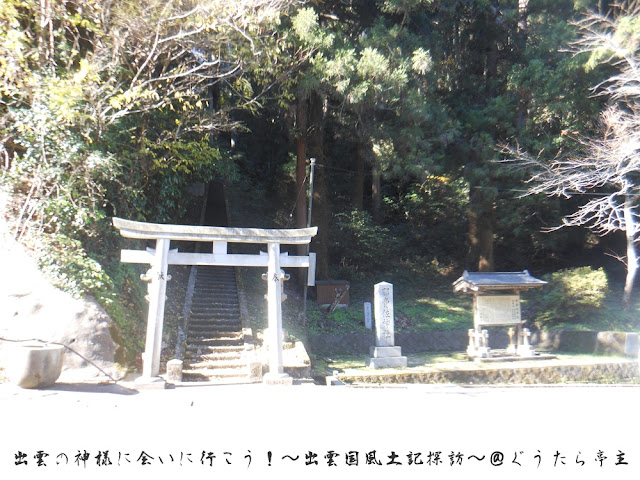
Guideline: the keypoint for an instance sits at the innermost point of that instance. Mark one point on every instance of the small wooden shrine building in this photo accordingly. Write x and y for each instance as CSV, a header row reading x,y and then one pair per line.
x,y
496,302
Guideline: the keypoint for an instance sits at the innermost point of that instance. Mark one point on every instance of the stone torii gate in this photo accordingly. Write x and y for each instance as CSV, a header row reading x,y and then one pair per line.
x,y
160,258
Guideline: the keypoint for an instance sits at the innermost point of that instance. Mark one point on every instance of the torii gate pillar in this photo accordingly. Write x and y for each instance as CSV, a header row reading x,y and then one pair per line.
x,y
276,374
155,320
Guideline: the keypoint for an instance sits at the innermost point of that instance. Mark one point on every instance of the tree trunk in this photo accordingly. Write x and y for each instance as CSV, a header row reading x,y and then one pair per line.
x,y
480,216
523,18
357,185
480,231
632,254
521,44
45,34
321,207
376,189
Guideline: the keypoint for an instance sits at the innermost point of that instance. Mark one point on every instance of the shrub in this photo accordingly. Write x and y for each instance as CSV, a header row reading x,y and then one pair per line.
x,y
572,295
360,243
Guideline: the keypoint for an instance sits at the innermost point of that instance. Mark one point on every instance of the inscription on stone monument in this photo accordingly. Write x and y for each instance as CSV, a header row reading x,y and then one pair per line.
x,y
383,299
384,354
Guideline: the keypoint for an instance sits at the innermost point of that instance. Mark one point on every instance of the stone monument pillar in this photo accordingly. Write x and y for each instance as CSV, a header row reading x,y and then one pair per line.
x,y
384,354
367,315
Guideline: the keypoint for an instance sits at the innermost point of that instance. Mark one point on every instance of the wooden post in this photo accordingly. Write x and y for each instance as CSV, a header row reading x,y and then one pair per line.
x,y
157,292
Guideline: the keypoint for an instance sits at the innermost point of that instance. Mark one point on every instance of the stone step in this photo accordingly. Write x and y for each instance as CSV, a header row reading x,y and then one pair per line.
x,y
215,341
216,274
215,308
221,312
214,302
195,330
223,322
220,307
203,319
221,289
215,298
235,325
217,372
212,331
217,376
195,355
218,365
213,357
216,279
211,297
215,316
215,349
216,283
235,335
213,290
203,316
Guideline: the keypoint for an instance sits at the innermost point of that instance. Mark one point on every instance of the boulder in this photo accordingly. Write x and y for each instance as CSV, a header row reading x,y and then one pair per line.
x,y
32,309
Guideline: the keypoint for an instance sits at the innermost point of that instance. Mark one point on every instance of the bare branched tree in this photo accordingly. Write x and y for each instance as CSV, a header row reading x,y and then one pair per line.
x,y
608,168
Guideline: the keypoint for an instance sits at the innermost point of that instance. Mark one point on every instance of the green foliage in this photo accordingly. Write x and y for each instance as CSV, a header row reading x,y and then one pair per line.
x,y
571,295
361,243
342,320
71,269
65,178
307,29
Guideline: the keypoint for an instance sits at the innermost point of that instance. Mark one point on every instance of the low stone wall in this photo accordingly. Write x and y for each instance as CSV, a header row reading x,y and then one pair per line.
x,y
457,340
413,342
624,370
588,342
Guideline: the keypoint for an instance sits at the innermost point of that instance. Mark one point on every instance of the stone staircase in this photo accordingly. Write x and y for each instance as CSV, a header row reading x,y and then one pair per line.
x,y
215,343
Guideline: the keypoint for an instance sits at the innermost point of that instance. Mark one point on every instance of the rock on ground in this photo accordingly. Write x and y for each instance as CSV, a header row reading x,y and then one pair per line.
x,y
31,308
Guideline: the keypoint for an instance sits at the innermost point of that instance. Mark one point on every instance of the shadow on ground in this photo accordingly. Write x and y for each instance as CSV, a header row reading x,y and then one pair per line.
x,y
111,388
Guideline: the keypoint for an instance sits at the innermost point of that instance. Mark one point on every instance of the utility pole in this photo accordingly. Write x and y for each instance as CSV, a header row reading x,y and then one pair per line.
x,y
306,288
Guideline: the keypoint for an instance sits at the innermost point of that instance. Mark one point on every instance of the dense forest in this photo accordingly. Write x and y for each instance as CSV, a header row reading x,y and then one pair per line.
x,y
448,134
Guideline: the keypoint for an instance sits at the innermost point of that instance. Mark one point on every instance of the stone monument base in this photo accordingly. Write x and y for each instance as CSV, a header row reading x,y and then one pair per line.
x,y
277,379
386,357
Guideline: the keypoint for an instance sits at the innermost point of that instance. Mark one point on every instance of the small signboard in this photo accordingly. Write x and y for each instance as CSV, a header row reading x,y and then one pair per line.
x,y
498,310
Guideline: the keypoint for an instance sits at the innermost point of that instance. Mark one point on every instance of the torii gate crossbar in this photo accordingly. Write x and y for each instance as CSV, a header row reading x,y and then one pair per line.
x,y
160,258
